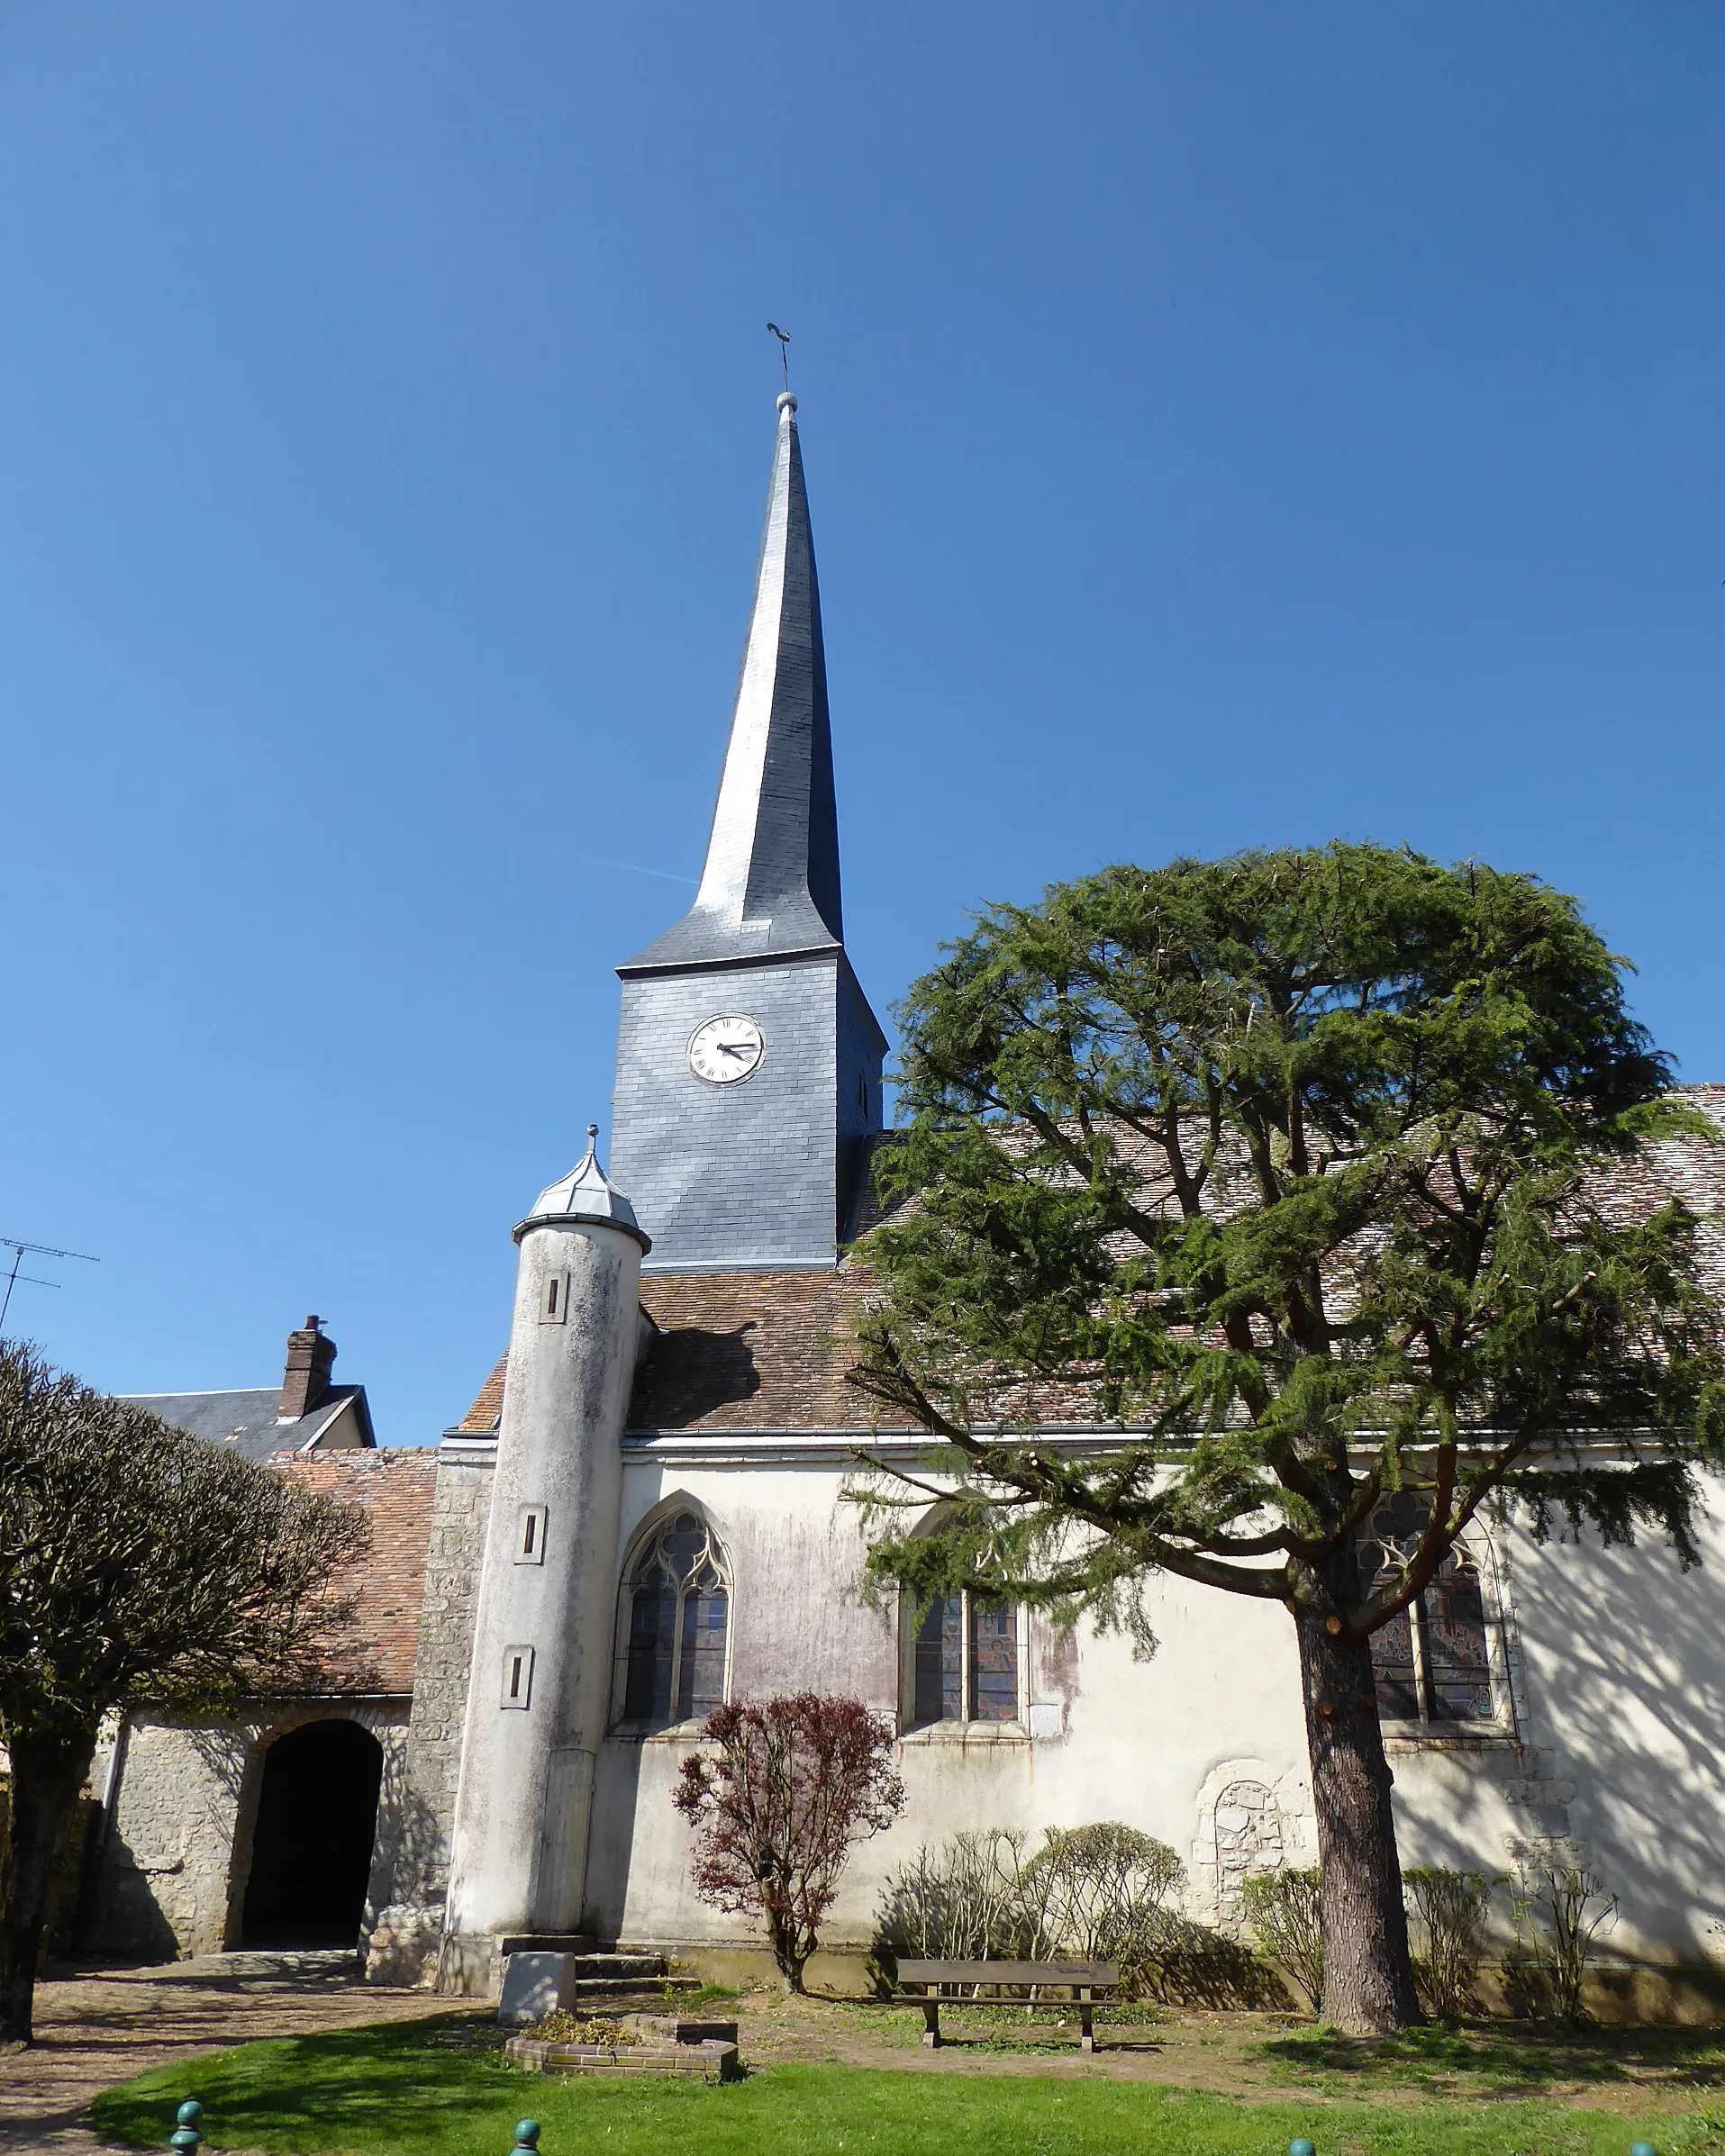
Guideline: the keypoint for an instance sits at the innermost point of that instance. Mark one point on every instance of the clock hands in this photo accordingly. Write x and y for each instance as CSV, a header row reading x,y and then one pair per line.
x,y
726,1049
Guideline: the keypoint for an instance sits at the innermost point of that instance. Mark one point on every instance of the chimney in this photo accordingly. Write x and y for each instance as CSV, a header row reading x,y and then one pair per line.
x,y
306,1382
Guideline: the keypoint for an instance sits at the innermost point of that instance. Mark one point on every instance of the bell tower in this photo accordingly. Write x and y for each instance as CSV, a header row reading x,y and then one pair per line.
x,y
749,1062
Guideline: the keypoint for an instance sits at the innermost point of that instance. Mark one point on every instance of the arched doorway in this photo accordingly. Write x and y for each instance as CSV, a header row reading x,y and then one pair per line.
x,y
311,1849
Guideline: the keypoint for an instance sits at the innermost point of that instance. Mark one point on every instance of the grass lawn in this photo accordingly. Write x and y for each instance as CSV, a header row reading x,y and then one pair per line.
x,y
439,2088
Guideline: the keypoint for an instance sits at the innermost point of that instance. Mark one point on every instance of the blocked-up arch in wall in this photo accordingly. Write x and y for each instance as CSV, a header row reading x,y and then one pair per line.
x,y
311,1847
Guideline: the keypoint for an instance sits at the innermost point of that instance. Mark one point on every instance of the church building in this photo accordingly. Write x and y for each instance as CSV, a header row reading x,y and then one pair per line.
x,y
642,1514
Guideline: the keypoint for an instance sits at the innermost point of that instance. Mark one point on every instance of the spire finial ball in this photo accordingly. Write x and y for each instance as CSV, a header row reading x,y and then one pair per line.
x,y
593,1131
787,400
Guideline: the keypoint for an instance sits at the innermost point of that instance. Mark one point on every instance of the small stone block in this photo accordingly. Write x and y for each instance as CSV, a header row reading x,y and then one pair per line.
x,y
678,2028
535,1985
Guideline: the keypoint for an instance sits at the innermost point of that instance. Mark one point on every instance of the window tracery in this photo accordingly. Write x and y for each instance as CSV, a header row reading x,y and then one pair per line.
x,y
1432,1662
679,1610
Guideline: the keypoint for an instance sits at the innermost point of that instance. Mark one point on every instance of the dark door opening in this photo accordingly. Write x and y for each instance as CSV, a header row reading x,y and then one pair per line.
x,y
311,1849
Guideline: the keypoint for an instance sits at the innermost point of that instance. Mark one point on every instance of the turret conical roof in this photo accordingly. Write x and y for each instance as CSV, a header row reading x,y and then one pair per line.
x,y
771,879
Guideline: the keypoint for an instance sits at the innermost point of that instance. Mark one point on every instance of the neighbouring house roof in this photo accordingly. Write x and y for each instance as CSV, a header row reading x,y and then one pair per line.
x,y
251,1420
769,1351
395,1488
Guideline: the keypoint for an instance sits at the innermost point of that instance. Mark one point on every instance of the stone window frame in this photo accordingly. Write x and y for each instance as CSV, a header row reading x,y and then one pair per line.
x,y
1479,1548
964,1728
646,1533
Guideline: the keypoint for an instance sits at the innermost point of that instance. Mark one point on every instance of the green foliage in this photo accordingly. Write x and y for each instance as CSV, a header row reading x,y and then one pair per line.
x,y
1282,1908
1290,1166
436,2088
1449,1909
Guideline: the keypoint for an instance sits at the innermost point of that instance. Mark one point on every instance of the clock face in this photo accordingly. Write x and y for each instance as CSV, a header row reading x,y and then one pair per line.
x,y
726,1049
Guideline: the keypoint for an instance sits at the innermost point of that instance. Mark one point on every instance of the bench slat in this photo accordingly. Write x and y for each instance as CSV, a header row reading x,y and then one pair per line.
x,y
1008,1972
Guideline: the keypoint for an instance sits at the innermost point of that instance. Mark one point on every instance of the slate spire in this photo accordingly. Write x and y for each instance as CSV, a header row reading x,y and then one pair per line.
x,y
771,879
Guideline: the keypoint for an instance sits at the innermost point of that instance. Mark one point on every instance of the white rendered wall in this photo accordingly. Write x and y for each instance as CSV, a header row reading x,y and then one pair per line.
x,y
1617,1662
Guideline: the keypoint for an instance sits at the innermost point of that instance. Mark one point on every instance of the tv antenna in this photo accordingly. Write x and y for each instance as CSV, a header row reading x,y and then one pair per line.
x,y
14,1277
783,337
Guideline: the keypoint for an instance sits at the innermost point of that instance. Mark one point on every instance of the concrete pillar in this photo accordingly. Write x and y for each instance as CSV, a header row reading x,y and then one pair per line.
x,y
538,1691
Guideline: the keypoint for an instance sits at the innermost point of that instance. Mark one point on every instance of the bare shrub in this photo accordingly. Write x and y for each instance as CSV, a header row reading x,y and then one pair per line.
x,y
1181,1964
1285,1912
1087,1893
1560,1909
964,1900
1449,1912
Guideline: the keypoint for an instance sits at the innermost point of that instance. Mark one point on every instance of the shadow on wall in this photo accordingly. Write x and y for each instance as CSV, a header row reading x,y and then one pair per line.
x,y
1620,1678
692,1372
610,1844
311,1842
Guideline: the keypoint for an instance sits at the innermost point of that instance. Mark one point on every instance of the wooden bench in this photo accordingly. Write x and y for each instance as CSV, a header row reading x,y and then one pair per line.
x,y
1083,1979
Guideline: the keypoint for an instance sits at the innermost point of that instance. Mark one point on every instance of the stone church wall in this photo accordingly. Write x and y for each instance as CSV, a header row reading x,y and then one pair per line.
x,y
174,1853
404,1939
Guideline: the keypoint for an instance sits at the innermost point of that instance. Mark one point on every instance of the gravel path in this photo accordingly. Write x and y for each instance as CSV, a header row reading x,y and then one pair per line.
x,y
99,2027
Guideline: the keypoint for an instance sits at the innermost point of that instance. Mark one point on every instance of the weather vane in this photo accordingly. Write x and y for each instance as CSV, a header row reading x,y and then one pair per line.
x,y
783,337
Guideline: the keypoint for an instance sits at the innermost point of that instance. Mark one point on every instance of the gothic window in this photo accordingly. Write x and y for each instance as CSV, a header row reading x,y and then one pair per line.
x,y
679,1603
1432,1662
964,1658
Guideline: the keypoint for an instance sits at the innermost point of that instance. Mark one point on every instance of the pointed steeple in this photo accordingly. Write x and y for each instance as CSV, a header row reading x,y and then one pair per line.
x,y
771,881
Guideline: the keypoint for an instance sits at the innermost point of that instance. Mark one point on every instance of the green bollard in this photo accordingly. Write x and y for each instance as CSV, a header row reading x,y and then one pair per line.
x,y
1642,2148
185,2136
1302,2147
526,2136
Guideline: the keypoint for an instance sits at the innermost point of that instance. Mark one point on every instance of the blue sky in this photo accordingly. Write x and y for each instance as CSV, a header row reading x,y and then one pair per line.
x,y
1225,426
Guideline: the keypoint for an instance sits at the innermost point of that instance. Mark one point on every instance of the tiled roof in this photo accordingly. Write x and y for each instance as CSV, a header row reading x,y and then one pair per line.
x,y
737,1351
751,1351
393,1488
769,1351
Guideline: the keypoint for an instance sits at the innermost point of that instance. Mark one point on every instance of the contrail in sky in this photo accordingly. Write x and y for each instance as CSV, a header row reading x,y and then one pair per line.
x,y
634,868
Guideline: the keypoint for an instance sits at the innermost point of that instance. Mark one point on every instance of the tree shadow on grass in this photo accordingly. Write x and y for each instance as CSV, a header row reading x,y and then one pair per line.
x,y
1525,2060
380,2075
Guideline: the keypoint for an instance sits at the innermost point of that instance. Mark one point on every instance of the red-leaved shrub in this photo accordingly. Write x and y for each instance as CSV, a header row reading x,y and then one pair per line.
x,y
792,1783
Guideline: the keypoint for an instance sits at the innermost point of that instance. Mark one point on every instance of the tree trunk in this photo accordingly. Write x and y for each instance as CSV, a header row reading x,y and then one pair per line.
x,y
46,1774
791,1947
1368,1973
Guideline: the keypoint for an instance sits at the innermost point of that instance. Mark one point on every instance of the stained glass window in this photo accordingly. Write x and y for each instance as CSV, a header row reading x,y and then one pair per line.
x,y
679,1609
1431,1661
966,1660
